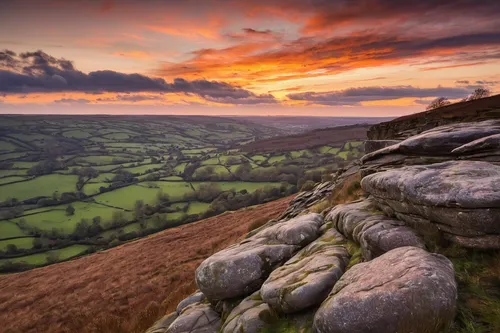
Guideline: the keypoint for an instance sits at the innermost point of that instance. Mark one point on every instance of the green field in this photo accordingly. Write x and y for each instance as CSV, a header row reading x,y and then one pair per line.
x,y
21,243
12,179
57,217
38,187
9,229
41,258
143,168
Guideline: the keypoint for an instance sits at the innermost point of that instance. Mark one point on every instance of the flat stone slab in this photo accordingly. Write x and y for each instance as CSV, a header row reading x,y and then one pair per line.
x,y
240,270
250,316
461,197
307,278
405,290
196,318
440,141
376,233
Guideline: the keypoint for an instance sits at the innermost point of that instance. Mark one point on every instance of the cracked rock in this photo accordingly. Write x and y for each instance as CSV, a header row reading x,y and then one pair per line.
x,y
376,233
196,318
239,270
250,316
307,278
405,290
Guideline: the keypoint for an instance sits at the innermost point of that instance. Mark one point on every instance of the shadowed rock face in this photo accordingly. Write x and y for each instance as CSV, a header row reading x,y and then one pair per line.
x,y
462,198
361,222
241,269
196,318
405,290
307,278
250,316
374,145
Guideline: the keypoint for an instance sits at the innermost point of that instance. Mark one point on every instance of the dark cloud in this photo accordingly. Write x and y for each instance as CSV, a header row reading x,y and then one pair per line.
x,y
72,101
487,83
354,96
462,82
39,72
131,98
251,31
138,98
261,99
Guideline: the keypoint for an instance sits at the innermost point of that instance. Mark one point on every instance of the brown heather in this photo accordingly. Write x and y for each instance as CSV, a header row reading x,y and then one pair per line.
x,y
124,289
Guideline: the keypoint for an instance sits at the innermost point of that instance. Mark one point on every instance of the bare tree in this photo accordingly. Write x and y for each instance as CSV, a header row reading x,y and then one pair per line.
x,y
479,93
437,103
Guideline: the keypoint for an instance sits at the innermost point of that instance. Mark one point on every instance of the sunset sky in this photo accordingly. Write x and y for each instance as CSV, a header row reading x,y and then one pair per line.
x,y
239,57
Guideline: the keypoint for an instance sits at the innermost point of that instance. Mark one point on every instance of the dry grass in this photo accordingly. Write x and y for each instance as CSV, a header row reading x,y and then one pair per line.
x,y
350,191
124,289
315,138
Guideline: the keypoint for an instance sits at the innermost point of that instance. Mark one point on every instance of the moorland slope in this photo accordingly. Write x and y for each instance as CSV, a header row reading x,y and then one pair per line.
x,y
122,289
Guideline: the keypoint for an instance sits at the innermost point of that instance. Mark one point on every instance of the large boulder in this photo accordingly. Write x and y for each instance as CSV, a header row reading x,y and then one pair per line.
x,y
376,233
462,198
196,318
250,316
239,270
307,278
406,290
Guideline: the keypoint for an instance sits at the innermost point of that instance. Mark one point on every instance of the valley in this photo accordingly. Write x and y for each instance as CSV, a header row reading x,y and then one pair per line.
x,y
73,185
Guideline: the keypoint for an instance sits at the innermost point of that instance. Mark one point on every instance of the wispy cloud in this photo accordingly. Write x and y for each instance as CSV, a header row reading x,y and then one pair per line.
x,y
355,96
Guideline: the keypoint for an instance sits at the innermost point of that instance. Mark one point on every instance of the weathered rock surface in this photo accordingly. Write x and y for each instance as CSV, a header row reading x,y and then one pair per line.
x,y
462,198
162,325
307,278
196,318
239,270
406,290
194,298
463,141
374,145
250,316
377,234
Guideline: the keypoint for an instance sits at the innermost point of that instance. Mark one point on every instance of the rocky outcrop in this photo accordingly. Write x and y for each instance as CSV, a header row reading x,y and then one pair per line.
x,y
461,198
304,268
374,145
377,234
196,318
405,290
406,126
305,200
242,268
307,278
250,316
468,141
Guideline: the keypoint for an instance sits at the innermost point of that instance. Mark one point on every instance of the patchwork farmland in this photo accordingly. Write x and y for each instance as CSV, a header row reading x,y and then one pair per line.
x,y
74,185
